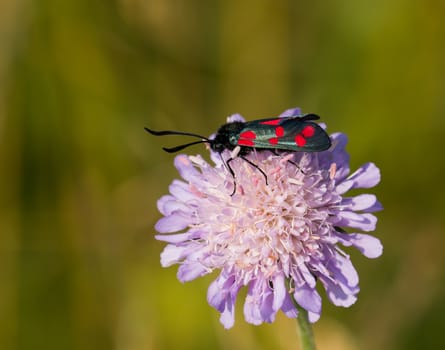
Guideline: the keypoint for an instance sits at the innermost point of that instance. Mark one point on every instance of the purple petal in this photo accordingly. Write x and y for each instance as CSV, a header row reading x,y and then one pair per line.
x,y
340,141
313,316
308,298
175,238
252,305
181,190
216,158
344,186
341,283
364,221
168,205
279,292
376,207
291,112
227,317
337,294
368,175
307,275
222,296
235,118
338,155
161,202
224,285
172,223
364,202
258,307
186,169
173,254
343,271
288,307
267,311
218,291
190,271
361,202
368,245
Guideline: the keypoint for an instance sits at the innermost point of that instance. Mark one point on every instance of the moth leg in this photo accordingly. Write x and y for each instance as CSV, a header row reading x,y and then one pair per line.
x,y
233,174
235,152
274,151
256,167
297,166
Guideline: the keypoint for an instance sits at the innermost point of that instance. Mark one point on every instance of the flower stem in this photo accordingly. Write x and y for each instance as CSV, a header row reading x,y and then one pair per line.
x,y
304,330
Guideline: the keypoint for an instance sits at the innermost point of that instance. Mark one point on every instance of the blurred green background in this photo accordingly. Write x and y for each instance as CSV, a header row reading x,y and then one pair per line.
x,y
79,79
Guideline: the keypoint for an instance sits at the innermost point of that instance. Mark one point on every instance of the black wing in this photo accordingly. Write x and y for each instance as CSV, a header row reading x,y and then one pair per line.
x,y
288,133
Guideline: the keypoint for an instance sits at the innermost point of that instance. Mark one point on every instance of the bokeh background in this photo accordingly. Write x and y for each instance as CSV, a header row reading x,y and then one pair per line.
x,y
79,177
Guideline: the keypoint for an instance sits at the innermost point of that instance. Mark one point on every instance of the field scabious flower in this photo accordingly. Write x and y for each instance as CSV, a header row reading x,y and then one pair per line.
x,y
277,239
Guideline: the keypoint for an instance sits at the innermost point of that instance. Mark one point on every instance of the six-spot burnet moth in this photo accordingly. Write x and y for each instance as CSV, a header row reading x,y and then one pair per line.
x,y
296,133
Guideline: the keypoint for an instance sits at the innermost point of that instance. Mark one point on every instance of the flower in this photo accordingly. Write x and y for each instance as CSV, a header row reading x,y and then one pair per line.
x,y
277,239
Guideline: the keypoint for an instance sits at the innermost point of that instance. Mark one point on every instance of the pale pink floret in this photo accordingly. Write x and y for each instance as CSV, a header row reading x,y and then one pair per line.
x,y
277,239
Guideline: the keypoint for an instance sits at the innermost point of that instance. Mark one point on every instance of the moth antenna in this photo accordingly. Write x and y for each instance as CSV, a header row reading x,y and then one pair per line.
x,y
181,147
171,132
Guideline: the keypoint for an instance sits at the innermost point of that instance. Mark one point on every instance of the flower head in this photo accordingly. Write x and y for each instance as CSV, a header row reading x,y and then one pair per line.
x,y
277,239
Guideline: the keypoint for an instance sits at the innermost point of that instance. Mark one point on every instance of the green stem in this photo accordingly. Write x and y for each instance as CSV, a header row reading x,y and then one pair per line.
x,y
304,330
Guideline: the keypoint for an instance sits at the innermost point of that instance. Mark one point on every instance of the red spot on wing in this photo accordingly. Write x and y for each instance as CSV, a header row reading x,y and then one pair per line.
x,y
273,140
308,131
300,140
246,142
279,131
249,134
271,122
